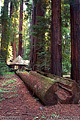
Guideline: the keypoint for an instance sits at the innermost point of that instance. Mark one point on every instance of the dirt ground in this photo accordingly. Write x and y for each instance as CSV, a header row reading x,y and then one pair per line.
x,y
18,103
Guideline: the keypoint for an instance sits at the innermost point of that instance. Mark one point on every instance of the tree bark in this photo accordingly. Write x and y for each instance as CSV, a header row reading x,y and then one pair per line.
x,y
33,51
51,89
35,41
20,28
11,9
13,42
5,34
41,86
75,40
56,49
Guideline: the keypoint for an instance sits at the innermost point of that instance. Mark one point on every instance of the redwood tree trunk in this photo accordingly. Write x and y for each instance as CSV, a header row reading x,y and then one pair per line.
x,y
56,49
39,45
20,28
14,46
11,9
32,61
75,41
35,42
13,42
5,34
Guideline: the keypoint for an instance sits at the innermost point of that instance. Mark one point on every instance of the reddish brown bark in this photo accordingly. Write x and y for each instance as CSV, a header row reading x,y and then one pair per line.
x,y
20,28
75,41
51,89
39,42
13,42
56,49
11,12
32,61
5,34
14,47
41,86
11,9
35,42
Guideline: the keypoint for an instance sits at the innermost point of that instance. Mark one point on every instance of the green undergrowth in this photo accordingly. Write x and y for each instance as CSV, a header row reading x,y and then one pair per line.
x,y
8,82
8,73
54,116
8,87
3,66
51,117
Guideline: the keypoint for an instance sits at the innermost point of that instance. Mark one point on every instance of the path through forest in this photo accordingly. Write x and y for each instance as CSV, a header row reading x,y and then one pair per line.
x,y
18,103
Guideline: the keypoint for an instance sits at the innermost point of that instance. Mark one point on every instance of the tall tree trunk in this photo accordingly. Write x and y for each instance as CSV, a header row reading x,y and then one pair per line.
x,y
56,48
39,42
35,42
75,40
11,9
5,34
33,38
20,28
13,42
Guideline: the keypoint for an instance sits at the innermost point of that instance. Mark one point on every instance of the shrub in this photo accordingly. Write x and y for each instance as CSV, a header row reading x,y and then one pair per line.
x,y
3,66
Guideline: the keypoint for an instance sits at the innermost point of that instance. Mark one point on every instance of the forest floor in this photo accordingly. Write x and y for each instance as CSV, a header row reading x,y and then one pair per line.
x,y
18,103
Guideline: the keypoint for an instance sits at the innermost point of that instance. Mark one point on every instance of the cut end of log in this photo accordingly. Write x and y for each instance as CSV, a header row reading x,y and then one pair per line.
x,y
50,97
64,96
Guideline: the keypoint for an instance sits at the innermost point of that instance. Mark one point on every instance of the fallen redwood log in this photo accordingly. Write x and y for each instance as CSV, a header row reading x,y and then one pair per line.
x,y
67,85
51,89
42,86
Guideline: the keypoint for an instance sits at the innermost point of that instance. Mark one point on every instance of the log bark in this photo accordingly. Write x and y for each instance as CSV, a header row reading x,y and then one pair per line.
x,y
42,86
51,89
69,91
